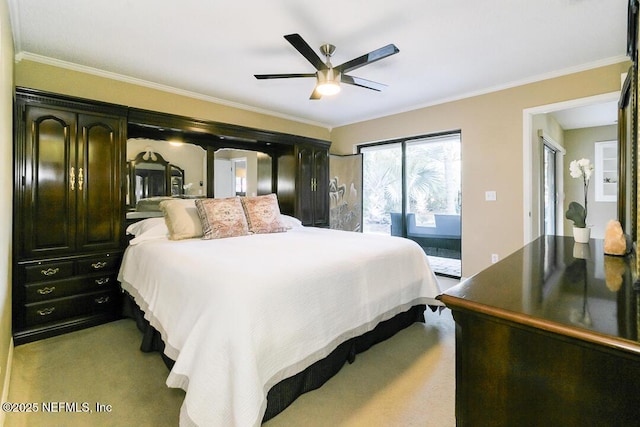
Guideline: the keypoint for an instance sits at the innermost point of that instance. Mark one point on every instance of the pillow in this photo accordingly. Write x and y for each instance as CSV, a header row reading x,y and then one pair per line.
x,y
182,218
222,218
290,222
140,227
263,214
148,229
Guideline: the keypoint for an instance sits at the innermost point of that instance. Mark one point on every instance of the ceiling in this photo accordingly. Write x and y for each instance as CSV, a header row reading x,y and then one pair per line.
x,y
448,49
600,114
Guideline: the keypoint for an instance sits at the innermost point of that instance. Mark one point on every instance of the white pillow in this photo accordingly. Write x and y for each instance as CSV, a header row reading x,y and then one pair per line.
x,y
148,229
290,222
181,217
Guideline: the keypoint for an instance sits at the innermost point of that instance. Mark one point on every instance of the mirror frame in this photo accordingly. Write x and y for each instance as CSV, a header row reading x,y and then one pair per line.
x,y
627,152
131,171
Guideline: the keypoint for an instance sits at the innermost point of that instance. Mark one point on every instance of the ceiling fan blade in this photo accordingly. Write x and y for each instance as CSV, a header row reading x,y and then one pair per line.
x,y
283,76
357,81
315,94
369,58
303,47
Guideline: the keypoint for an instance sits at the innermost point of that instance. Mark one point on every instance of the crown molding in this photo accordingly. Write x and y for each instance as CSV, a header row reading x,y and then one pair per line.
x,y
145,83
27,56
534,79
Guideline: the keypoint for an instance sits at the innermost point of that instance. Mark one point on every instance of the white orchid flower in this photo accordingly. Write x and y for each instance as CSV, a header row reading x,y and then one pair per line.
x,y
581,169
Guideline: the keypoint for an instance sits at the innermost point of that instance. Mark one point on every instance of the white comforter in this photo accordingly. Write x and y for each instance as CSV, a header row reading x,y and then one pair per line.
x,y
240,314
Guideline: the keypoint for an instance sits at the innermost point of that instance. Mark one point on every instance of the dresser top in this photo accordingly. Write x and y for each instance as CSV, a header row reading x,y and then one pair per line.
x,y
560,286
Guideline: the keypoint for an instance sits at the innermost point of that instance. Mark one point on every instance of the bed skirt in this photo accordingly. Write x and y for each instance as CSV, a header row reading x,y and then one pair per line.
x,y
286,391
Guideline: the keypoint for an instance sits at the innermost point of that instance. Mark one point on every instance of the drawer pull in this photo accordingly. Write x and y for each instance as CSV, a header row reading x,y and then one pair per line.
x,y
46,290
98,265
102,300
46,311
102,281
50,271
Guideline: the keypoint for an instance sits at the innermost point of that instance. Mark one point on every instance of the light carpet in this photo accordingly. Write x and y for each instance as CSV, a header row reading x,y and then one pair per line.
x,y
408,380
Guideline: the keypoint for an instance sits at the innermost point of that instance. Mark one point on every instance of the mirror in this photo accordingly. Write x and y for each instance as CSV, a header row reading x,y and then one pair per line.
x,y
158,169
149,175
241,173
177,180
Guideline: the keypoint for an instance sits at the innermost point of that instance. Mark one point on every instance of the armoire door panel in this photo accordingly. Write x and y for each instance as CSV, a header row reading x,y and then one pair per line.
x,y
99,186
305,188
321,187
49,182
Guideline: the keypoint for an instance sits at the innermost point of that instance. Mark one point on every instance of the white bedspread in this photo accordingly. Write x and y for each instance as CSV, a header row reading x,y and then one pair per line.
x,y
240,314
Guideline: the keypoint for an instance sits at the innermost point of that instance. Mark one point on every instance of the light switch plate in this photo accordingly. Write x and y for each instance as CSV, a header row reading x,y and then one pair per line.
x,y
490,196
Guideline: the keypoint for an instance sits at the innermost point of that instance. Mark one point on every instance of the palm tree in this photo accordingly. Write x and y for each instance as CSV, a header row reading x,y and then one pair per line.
x,y
432,179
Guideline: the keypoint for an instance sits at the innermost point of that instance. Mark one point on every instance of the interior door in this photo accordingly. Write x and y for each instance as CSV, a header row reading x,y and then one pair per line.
x,y
224,180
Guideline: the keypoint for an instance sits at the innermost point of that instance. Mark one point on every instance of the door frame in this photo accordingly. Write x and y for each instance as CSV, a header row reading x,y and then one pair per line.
x,y
528,144
559,153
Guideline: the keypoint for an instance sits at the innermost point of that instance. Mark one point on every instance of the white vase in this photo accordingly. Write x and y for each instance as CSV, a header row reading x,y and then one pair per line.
x,y
581,250
581,234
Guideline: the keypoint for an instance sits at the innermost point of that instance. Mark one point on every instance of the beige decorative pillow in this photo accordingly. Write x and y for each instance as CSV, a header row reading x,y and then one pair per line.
x,y
181,218
222,218
263,214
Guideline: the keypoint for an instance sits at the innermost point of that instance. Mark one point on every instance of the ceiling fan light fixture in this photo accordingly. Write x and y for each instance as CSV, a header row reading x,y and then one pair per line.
x,y
328,82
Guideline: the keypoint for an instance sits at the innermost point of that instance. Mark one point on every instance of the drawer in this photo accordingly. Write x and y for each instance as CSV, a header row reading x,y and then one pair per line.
x,y
63,308
106,262
53,270
53,289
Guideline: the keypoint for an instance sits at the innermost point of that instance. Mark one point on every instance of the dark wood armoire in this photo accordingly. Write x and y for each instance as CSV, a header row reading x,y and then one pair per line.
x,y
68,210
312,181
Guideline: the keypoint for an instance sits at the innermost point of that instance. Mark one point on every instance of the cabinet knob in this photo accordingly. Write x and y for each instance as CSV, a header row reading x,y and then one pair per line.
x,y
98,265
46,290
50,271
72,178
46,311
102,300
102,281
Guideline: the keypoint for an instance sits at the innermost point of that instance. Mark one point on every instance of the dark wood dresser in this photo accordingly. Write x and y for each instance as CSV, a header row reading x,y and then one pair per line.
x,y
68,213
549,337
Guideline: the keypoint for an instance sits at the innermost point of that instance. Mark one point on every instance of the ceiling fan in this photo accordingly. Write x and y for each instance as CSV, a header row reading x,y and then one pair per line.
x,y
328,76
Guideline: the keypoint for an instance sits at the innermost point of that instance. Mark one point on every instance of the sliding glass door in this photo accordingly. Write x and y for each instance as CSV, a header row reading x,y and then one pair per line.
x,y
411,188
382,187
549,190
432,178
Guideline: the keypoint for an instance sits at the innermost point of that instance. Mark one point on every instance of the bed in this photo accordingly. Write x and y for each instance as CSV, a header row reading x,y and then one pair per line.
x,y
240,317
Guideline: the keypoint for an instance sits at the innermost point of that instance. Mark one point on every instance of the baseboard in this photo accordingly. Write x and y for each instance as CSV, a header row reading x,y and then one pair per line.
x,y
7,380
